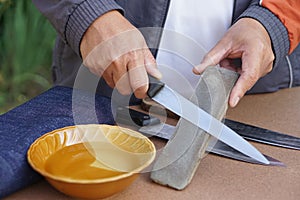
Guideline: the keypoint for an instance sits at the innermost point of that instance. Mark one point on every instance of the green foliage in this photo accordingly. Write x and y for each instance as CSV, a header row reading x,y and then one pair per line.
x,y
26,44
4,4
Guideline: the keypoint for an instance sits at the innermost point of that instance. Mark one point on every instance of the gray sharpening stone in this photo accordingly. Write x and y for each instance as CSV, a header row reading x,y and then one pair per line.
x,y
177,162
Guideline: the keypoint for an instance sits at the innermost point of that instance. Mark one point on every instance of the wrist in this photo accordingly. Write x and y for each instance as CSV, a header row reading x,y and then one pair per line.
x,y
275,29
103,28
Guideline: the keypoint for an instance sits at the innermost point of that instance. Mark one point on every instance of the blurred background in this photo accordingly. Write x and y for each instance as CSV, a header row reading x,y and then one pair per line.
x,y
26,42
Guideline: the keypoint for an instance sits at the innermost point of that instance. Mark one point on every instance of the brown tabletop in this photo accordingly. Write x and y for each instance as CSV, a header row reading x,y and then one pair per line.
x,y
222,178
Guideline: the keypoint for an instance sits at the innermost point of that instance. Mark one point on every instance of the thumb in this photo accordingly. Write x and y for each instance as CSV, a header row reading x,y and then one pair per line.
x,y
212,58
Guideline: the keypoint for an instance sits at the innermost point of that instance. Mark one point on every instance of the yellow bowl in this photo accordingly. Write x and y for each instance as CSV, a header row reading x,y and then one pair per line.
x,y
91,161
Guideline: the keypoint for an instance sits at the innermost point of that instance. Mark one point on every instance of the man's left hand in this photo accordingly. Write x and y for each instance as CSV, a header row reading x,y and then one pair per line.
x,y
246,39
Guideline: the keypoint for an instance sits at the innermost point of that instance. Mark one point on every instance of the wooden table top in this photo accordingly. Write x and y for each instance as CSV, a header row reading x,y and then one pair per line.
x,y
222,178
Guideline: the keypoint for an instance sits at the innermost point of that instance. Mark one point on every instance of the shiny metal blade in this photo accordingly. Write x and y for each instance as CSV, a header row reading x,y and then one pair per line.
x,y
262,135
165,131
189,111
222,149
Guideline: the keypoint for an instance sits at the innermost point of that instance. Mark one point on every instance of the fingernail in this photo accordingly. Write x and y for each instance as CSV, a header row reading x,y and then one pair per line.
x,y
196,69
159,74
156,73
235,101
152,68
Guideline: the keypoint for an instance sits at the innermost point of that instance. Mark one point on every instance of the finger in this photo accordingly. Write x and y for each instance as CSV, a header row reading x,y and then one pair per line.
x,y
231,64
227,64
121,76
213,57
123,84
137,74
108,77
249,75
151,66
139,81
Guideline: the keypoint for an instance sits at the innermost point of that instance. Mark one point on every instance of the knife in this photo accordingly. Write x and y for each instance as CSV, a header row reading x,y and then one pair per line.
x,y
151,126
134,118
164,95
247,131
262,135
165,131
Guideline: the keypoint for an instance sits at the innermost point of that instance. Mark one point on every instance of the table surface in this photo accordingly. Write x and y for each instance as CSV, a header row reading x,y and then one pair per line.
x,y
222,178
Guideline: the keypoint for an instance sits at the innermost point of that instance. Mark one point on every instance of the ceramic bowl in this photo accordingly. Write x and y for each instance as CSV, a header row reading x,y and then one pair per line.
x,y
91,161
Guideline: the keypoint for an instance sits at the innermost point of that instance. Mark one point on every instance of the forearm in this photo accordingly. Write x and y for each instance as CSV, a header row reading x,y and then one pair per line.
x,y
71,18
288,11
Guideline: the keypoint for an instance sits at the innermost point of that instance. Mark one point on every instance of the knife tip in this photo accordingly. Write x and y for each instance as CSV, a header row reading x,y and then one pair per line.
x,y
274,162
264,160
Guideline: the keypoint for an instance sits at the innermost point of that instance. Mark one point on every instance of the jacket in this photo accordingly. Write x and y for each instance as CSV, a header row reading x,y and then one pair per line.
x,y
71,18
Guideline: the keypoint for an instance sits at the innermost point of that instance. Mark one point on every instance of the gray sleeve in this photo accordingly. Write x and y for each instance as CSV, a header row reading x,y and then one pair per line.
x,y
71,18
275,28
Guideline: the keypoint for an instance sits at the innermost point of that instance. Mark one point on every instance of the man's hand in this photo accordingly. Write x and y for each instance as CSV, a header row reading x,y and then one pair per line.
x,y
246,39
115,49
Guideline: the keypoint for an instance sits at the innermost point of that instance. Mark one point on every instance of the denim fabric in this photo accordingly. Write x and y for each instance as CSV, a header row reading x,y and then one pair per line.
x,y
46,112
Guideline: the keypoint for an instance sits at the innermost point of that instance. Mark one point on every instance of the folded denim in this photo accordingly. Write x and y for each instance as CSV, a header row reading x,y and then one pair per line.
x,y
22,125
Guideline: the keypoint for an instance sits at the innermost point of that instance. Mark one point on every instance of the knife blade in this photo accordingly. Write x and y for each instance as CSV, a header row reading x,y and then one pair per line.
x,y
262,135
170,99
151,126
165,131
219,148
247,131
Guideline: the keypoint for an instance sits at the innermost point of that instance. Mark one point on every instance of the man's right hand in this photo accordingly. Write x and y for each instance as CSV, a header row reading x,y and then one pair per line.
x,y
113,48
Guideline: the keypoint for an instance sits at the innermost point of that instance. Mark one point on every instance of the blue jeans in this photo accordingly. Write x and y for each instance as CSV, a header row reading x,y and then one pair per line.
x,y
51,110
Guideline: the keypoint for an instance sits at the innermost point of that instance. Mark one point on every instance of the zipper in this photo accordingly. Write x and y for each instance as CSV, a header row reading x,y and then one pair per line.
x,y
290,70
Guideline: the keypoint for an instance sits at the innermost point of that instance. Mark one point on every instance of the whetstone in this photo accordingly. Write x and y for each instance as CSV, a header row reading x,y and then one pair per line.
x,y
177,162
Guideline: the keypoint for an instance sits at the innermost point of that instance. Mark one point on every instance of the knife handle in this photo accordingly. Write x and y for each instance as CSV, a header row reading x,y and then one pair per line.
x,y
133,118
155,86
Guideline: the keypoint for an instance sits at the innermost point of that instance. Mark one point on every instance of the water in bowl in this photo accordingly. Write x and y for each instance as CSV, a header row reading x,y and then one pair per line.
x,y
77,162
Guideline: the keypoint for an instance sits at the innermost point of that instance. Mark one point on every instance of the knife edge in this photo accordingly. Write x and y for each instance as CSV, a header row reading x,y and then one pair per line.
x,y
262,135
189,111
165,132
